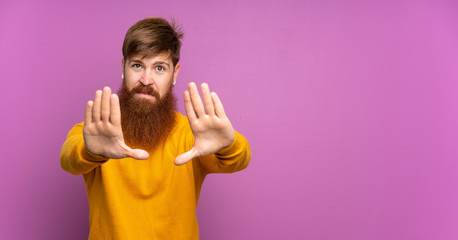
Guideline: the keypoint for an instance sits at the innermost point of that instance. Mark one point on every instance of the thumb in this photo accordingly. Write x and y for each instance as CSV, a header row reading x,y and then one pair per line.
x,y
185,157
138,154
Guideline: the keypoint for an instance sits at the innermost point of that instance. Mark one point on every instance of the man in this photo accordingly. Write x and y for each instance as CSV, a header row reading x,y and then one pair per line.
x,y
143,163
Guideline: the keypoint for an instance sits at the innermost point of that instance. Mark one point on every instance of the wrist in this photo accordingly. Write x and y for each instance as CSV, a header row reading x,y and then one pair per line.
x,y
91,156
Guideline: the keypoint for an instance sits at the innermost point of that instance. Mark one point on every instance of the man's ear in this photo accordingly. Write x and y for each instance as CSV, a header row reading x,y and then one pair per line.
x,y
122,68
175,73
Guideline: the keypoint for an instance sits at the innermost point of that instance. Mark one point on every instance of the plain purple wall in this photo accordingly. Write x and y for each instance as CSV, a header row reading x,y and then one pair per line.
x,y
350,107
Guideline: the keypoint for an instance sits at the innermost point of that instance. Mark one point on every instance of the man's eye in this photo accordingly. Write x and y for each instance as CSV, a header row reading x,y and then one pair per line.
x,y
137,65
160,68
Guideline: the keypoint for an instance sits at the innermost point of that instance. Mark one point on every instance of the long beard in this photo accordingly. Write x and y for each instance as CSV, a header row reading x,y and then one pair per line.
x,y
146,123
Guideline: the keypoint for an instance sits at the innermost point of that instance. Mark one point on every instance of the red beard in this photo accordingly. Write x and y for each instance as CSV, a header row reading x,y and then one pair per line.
x,y
146,123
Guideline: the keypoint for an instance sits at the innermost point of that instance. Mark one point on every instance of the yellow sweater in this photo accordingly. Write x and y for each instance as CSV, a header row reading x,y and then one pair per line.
x,y
153,198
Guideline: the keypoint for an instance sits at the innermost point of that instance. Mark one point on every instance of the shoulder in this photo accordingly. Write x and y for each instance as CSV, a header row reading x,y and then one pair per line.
x,y
181,134
182,121
77,129
182,125
181,117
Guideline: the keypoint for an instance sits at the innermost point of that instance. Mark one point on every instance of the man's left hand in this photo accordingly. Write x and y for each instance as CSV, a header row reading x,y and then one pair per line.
x,y
211,128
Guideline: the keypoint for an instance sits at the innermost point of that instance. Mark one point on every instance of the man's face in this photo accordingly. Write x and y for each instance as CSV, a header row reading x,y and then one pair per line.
x,y
156,72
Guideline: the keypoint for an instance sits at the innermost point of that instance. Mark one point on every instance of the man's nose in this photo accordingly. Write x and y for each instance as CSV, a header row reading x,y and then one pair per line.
x,y
147,78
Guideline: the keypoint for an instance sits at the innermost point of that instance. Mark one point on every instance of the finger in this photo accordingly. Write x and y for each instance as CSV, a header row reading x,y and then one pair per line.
x,y
96,107
115,111
105,105
139,154
134,153
207,99
219,109
188,106
196,100
185,157
88,113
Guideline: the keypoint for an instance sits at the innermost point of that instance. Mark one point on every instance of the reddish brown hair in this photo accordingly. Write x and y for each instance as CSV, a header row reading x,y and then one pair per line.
x,y
151,36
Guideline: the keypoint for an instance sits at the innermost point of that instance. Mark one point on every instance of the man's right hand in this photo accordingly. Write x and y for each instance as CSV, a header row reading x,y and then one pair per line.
x,y
102,130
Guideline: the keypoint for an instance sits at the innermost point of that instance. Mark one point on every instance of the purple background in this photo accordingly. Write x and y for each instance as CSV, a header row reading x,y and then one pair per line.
x,y
351,110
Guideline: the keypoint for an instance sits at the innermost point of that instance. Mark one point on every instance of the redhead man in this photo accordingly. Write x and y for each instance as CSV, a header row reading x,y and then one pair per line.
x,y
144,163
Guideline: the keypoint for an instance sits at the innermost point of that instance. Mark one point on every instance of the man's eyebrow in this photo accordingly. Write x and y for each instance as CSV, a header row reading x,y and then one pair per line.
x,y
161,62
136,60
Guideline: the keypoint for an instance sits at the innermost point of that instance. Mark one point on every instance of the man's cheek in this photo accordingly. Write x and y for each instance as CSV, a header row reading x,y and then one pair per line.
x,y
130,86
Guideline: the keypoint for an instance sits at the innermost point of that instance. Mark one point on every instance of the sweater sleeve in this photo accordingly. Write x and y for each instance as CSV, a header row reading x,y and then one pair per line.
x,y
74,157
231,159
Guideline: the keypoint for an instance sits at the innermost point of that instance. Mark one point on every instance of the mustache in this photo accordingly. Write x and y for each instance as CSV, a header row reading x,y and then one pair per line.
x,y
145,90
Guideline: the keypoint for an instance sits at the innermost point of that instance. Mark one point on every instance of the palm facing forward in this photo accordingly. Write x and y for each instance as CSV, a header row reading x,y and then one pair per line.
x,y
102,128
211,128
